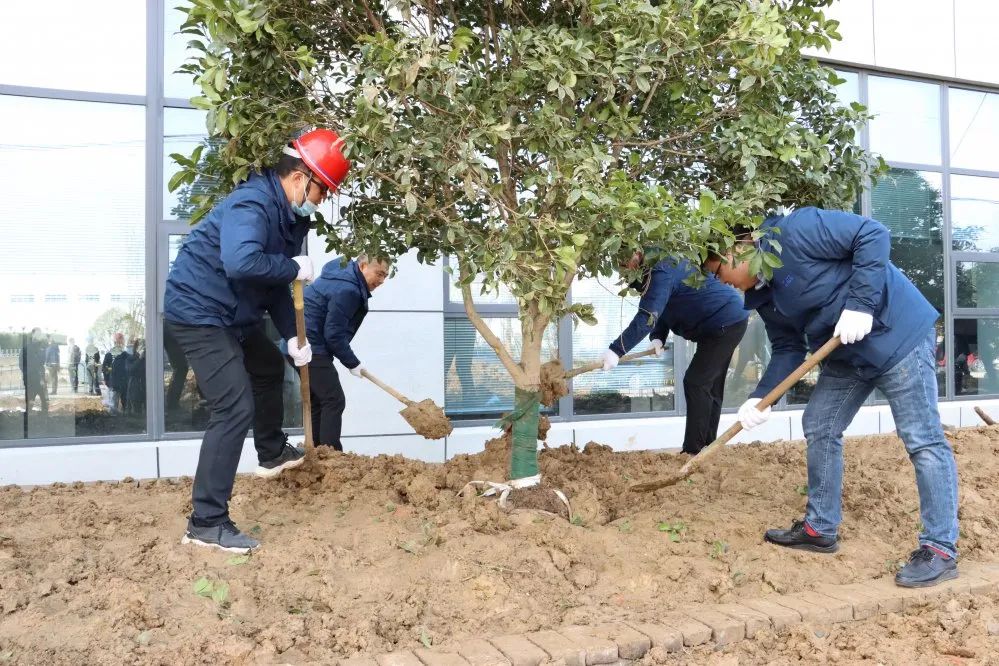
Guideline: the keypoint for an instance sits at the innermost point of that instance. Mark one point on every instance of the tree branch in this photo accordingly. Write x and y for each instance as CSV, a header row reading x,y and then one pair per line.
x,y
519,377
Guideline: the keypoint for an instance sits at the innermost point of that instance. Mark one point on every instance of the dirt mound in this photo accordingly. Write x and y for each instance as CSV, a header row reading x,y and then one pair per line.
x,y
374,554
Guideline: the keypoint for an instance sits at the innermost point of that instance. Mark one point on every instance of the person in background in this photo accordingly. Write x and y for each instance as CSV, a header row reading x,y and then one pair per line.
x,y
335,307
74,364
711,316
107,369
52,365
32,364
136,369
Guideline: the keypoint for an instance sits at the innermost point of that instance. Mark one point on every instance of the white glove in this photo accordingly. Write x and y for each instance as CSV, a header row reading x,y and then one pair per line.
x,y
853,326
610,360
750,417
357,371
301,356
657,344
305,270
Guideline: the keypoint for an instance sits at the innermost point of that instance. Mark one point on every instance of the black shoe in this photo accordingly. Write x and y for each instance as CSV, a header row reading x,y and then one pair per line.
x,y
797,537
225,537
290,457
926,567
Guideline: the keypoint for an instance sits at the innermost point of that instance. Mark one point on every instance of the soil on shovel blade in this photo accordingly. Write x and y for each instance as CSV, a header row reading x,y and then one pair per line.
x,y
428,419
375,554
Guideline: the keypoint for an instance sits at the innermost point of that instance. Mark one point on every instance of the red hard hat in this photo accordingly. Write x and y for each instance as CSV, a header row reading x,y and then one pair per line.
x,y
322,151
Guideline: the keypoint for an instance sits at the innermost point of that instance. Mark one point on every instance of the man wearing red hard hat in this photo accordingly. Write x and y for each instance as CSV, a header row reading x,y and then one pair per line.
x,y
235,266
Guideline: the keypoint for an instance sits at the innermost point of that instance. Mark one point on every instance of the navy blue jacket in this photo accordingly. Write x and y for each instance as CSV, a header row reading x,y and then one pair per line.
x,y
670,305
237,263
835,261
335,306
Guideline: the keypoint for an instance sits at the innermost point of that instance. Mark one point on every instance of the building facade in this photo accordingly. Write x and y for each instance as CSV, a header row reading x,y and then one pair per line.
x,y
90,230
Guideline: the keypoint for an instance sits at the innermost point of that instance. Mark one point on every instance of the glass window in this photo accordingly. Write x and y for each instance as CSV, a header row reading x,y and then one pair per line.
x,y
974,129
642,386
906,123
909,203
176,53
62,373
848,91
977,284
75,45
976,356
476,385
748,363
183,130
974,212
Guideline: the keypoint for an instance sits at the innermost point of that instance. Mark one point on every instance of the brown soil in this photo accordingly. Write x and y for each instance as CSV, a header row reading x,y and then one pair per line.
x,y
427,419
370,555
540,498
964,630
553,383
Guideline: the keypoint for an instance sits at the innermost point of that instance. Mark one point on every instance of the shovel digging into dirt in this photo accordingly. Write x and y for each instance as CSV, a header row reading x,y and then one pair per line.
x,y
425,416
299,298
555,378
770,398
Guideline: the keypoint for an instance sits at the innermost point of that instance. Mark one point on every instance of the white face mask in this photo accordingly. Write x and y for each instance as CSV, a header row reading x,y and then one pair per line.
x,y
306,208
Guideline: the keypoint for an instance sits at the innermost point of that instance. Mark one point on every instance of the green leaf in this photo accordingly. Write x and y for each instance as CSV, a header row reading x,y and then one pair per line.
x,y
175,180
203,587
411,203
237,560
220,593
705,204
747,82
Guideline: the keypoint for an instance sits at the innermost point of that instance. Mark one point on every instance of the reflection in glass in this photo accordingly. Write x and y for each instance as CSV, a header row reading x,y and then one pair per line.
x,y
974,139
504,297
183,130
642,386
73,45
974,211
476,385
72,352
976,356
176,53
185,405
848,92
910,204
906,123
977,284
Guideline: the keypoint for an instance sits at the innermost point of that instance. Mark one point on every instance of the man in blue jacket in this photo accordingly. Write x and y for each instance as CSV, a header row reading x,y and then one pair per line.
x,y
335,306
836,280
711,316
235,266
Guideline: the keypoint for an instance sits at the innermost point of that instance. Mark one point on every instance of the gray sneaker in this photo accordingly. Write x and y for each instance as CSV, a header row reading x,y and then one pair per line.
x,y
225,537
290,457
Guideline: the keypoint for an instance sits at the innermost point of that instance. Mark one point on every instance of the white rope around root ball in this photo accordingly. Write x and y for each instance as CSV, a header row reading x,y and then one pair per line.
x,y
501,490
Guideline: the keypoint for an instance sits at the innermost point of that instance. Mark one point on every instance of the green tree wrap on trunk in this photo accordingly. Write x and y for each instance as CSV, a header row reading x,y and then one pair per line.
x,y
524,435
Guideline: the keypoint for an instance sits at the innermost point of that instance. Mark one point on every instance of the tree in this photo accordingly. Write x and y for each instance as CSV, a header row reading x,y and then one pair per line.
x,y
130,322
537,141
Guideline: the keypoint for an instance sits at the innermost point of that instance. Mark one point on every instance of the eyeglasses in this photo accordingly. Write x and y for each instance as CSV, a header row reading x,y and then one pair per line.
x,y
324,191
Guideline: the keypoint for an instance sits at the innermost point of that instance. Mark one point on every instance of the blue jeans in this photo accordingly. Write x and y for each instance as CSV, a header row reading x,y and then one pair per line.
x,y
911,389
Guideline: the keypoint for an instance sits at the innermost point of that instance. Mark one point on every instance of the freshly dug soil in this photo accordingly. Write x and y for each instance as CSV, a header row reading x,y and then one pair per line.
x,y
963,630
373,554
541,497
427,419
553,383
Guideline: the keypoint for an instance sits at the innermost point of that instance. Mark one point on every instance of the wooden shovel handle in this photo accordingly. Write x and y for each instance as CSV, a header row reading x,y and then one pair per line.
x,y
303,371
385,387
769,399
596,365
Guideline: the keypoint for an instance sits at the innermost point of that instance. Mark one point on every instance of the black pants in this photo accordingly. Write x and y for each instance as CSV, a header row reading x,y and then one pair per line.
x,y
240,372
74,376
178,364
328,401
704,385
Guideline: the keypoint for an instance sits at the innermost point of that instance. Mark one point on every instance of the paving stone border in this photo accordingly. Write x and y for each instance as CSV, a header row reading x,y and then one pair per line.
x,y
621,643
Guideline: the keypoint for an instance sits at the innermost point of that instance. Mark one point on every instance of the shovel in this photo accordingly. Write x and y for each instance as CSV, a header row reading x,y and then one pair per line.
x,y
303,371
554,378
770,398
426,417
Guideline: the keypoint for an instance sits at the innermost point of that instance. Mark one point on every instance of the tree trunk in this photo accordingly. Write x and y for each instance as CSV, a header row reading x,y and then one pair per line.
x,y
527,406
